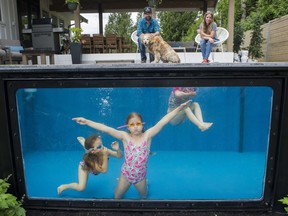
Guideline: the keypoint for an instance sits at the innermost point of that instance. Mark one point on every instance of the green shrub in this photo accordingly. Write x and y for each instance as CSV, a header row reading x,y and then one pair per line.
x,y
284,200
9,205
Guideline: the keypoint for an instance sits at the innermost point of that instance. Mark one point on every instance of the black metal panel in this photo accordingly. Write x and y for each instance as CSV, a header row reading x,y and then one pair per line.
x,y
6,157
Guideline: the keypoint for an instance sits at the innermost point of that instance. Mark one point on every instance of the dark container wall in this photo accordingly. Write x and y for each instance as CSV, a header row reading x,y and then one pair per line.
x,y
276,186
6,155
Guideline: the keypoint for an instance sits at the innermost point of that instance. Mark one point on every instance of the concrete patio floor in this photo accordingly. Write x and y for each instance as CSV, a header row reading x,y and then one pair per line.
x,y
186,57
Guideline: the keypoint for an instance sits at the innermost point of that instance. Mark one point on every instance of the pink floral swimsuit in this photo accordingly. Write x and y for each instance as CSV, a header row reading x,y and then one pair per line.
x,y
174,101
135,164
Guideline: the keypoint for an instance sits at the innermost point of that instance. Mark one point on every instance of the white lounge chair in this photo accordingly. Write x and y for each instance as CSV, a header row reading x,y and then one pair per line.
x,y
222,35
134,38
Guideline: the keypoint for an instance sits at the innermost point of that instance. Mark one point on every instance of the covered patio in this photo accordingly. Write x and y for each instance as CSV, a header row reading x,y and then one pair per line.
x,y
111,6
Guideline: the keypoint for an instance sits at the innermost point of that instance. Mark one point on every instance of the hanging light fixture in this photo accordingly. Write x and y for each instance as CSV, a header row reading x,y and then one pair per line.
x,y
154,3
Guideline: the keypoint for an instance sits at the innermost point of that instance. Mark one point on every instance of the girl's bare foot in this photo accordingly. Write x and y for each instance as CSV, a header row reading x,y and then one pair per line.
x,y
205,126
60,189
81,140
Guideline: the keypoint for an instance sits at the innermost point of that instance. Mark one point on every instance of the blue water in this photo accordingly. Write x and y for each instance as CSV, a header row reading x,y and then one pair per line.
x,y
196,175
227,162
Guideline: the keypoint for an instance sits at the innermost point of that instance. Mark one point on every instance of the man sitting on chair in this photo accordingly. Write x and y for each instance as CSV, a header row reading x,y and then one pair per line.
x,y
147,25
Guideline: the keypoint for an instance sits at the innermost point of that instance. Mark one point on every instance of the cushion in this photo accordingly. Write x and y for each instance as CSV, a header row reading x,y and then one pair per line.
x,y
2,53
15,48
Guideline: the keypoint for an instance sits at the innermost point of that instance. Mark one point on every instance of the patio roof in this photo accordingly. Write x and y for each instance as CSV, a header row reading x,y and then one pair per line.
x,y
109,6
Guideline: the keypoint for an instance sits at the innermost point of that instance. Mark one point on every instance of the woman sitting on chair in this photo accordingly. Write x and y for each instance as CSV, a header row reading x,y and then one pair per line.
x,y
207,31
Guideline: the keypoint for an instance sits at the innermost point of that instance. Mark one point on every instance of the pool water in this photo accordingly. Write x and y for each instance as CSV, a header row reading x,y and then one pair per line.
x,y
226,162
195,175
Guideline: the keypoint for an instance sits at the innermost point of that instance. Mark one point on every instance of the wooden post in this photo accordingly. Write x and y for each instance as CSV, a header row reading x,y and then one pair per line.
x,y
205,6
77,17
231,25
100,11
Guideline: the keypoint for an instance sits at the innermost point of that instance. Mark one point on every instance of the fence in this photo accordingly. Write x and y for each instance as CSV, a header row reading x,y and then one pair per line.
x,y
275,45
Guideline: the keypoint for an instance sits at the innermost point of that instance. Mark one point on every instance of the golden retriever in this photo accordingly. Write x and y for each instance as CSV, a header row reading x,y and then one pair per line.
x,y
160,49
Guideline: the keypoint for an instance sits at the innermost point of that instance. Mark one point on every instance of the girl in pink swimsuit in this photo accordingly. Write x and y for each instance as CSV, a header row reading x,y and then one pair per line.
x,y
136,144
135,164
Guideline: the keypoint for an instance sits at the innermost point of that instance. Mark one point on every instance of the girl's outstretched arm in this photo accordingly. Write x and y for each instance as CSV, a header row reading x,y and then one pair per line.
x,y
104,166
166,119
116,152
101,127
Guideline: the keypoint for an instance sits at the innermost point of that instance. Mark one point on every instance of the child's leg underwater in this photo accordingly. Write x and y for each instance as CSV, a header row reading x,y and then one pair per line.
x,y
197,110
197,119
80,186
121,188
142,188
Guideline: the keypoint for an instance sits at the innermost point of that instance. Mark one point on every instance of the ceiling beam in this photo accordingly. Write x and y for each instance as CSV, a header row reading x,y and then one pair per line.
x,y
108,6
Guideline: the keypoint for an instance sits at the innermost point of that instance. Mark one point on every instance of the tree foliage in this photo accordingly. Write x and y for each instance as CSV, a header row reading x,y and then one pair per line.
x,y
221,13
192,31
120,24
270,10
221,18
238,37
250,6
255,47
266,9
174,25
238,26
246,12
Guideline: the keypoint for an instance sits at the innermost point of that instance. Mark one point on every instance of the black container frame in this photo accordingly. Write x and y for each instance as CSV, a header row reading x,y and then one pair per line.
x,y
272,75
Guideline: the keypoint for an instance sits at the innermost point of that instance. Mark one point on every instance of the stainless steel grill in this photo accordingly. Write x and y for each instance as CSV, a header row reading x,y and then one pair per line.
x,y
43,37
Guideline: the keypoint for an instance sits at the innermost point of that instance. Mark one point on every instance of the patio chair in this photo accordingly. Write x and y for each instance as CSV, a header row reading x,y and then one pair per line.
x,y
111,43
134,38
222,35
11,50
126,46
98,43
86,43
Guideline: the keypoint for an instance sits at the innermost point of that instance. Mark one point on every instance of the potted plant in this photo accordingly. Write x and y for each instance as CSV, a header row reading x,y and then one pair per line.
x,y
76,46
72,4
76,34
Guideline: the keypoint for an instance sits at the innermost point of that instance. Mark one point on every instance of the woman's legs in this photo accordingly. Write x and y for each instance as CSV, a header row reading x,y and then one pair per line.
x,y
203,48
80,186
209,47
121,188
206,48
